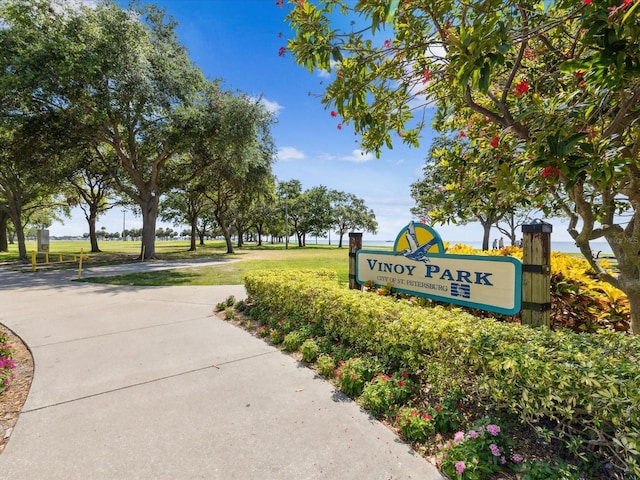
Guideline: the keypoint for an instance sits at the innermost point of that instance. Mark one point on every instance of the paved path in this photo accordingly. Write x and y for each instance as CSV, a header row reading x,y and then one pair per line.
x,y
145,383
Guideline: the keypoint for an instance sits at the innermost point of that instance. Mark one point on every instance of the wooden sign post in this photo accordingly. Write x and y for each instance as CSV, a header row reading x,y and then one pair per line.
x,y
355,244
536,273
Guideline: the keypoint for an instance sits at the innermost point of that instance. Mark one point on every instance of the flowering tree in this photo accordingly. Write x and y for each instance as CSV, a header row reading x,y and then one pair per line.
x,y
468,177
560,80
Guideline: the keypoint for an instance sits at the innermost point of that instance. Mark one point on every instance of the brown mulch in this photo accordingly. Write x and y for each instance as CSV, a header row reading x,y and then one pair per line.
x,y
13,398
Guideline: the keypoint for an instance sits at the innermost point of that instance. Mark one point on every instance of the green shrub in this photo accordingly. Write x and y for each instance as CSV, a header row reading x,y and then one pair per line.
x,y
326,366
294,340
415,425
309,350
385,392
352,375
229,313
587,385
276,336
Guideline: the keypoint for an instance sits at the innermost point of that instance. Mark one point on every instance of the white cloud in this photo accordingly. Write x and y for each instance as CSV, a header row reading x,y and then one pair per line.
x,y
290,153
358,156
323,73
271,106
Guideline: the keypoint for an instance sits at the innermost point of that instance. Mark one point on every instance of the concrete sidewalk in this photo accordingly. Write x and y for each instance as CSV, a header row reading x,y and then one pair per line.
x,y
144,382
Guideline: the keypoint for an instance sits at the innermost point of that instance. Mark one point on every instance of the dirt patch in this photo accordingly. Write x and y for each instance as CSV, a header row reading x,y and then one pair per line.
x,y
12,399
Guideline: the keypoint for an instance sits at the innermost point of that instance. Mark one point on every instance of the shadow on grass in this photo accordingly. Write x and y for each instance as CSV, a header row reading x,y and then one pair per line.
x,y
163,278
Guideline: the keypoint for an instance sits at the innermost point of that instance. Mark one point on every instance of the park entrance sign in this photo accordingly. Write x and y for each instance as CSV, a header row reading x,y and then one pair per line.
x,y
418,266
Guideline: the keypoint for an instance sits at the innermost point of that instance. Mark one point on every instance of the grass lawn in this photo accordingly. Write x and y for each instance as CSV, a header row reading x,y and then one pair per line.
x,y
245,259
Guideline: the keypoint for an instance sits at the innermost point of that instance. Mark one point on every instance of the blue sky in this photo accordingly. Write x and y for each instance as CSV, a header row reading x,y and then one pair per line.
x,y
238,42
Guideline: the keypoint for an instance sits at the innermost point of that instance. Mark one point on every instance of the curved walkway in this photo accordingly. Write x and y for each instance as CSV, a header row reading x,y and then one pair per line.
x,y
145,383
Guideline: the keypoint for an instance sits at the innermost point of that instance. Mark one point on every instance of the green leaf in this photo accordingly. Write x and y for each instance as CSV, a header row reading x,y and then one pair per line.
x,y
391,12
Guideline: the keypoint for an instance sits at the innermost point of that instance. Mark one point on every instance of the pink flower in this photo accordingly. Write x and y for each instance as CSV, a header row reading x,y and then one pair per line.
x,y
586,2
387,44
517,458
495,451
282,51
334,113
460,467
426,416
458,437
426,76
473,434
339,126
493,429
280,3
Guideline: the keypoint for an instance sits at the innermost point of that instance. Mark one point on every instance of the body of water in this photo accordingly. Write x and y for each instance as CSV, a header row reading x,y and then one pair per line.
x,y
565,247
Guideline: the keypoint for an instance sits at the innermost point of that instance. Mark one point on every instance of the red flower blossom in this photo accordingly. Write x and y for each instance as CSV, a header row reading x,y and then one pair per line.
x,y
463,134
339,127
334,113
586,2
426,76
280,3
387,43
495,142
550,172
439,408
522,88
340,74
282,51
426,416
405,374
400,383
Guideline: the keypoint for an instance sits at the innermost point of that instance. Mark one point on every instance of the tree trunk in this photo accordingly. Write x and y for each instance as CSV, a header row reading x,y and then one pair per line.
x,y
194,233
227,238
240,237
91,219
149,217
22,247
340,241
486,229
4,243
259,231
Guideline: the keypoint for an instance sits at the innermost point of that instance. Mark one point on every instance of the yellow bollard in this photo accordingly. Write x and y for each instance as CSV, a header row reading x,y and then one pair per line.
x,y
80,265
46,258
33,261
60,258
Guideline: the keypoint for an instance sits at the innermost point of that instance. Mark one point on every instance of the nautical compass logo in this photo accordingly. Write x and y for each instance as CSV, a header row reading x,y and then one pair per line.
x,y
416,241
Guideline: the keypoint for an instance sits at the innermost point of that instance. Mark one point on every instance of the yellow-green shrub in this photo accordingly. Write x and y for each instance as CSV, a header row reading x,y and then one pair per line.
x,y
588,384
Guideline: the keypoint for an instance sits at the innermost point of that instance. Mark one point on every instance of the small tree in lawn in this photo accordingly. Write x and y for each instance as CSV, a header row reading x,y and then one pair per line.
x,y
350,214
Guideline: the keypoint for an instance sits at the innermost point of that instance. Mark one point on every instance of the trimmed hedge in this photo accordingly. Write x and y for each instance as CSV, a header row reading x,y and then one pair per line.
x,y
585,386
